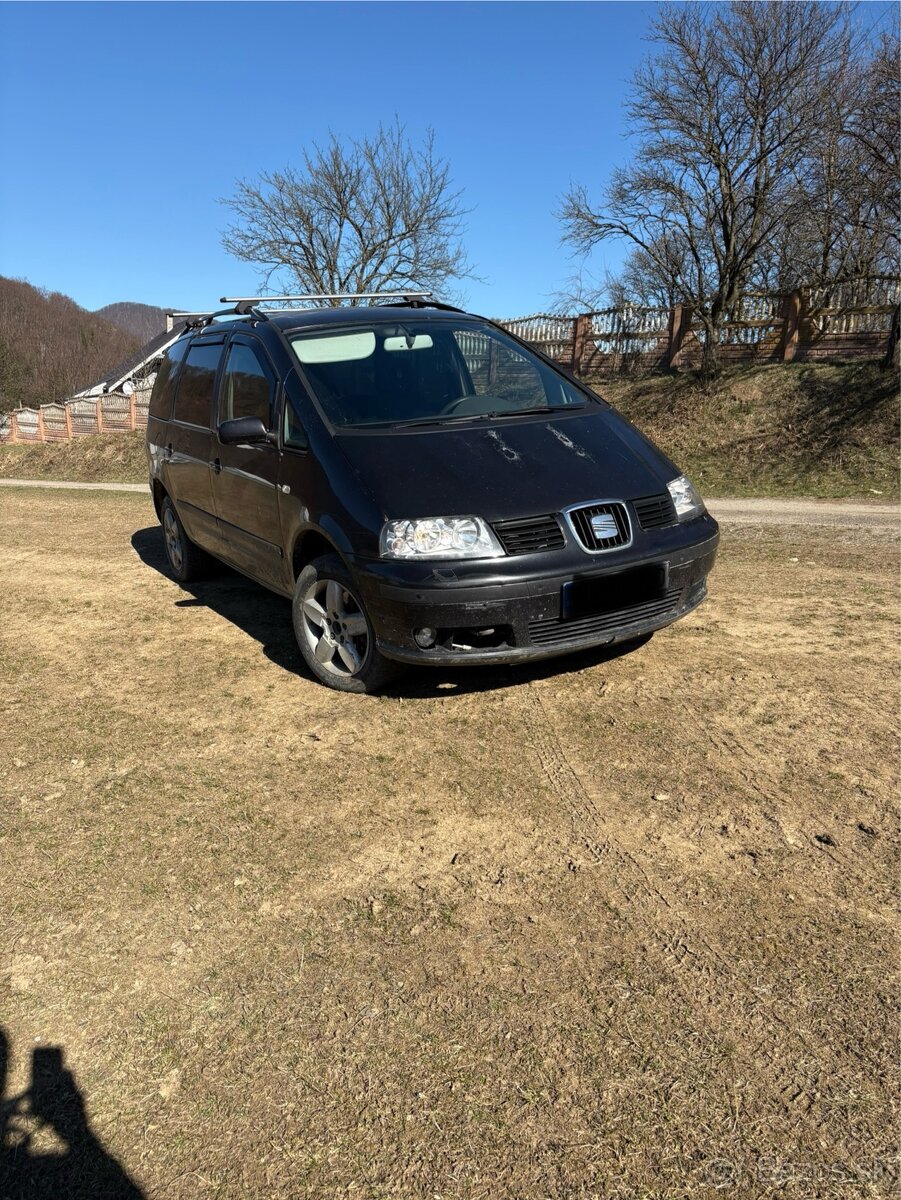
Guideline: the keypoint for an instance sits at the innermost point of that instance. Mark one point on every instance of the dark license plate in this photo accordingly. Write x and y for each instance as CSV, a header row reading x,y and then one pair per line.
x,y
588,597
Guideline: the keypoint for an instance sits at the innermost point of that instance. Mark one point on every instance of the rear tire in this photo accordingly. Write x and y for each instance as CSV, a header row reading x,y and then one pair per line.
x,y
186,561
333,630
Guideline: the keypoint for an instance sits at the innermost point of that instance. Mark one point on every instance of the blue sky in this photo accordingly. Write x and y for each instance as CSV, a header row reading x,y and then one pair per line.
x,y
123,124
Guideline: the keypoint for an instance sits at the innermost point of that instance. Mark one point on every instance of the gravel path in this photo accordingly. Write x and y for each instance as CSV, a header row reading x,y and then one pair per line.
x,y
853,513
93,487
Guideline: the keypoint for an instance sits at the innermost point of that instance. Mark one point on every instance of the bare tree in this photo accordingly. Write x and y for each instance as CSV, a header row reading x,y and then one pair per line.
x,y
357,216
724,113
846,220
644,280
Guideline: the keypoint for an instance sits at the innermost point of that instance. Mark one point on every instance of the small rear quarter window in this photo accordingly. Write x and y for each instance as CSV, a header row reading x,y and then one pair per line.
x,y
164,384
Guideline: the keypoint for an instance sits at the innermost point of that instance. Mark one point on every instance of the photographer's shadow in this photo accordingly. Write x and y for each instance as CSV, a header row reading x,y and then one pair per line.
x,y
83,1170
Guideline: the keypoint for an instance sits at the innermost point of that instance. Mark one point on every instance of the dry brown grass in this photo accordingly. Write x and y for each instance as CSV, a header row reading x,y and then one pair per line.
x,y
797,429
93,458
572,932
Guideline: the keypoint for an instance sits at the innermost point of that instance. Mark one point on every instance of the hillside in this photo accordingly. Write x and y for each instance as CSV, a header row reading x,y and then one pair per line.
x,y
143,321
50,347
779,430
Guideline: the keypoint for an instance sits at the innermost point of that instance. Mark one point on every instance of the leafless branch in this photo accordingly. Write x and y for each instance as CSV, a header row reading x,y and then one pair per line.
x,y
377,213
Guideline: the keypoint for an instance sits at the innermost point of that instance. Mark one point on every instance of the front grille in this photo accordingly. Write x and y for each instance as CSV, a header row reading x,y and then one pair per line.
x,y
655,511
581,519
553,631
530,535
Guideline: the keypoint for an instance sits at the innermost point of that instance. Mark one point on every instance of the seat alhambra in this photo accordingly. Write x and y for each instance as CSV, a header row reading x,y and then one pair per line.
x,y
423,485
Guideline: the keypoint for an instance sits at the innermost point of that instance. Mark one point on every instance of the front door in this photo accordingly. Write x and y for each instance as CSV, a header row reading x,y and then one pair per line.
x,y
244,477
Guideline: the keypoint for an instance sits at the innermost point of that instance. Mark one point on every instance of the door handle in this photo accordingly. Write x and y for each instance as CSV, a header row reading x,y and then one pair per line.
x,y
216,465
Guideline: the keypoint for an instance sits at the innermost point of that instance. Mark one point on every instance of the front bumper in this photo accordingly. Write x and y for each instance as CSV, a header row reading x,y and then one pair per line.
x,y
520,602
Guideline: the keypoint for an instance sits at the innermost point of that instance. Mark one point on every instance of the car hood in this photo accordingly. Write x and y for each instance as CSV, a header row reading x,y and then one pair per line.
x,y
512,467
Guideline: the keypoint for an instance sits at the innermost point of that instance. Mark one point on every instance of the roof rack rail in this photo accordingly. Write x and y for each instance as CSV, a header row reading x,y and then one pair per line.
x,y
413,301
246,304
197,320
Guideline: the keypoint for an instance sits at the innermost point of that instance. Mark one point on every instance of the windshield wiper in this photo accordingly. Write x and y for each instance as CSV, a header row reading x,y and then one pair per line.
x,y
488,416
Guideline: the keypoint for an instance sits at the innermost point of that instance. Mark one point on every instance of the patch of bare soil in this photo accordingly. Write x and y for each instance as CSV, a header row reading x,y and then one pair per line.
x,y
614,927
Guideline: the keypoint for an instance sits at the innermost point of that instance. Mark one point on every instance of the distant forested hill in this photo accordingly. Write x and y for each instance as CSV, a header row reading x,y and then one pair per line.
x,y
142,321
50,347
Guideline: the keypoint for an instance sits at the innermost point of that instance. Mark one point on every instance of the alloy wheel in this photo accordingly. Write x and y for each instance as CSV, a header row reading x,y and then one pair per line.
x,y
172,533
334,627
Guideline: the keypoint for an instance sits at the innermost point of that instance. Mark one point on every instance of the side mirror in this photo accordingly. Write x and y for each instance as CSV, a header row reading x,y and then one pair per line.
x,y
243,429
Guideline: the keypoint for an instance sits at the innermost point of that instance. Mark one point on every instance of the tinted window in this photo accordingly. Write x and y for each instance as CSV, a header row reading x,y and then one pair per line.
x,y
164,385
247,388
419,370
194,396
499,369
294,433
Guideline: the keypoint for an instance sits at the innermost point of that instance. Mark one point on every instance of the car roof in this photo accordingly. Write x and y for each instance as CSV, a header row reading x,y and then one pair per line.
x,y
317,317
364,315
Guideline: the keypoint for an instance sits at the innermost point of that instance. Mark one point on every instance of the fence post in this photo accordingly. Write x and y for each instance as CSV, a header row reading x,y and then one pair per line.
x,y
67,409
133,411
581,334
42,428
679,325
788,339
894,339
13,427
805,323
98,415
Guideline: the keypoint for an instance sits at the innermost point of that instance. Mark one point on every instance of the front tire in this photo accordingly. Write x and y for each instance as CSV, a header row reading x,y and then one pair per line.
x,y
333,631
186,561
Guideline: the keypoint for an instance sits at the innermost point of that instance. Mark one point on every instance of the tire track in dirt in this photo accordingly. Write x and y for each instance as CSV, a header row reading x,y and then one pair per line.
x,y
690,958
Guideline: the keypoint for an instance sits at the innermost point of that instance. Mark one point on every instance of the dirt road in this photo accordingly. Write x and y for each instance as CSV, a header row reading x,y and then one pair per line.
x,y
614,927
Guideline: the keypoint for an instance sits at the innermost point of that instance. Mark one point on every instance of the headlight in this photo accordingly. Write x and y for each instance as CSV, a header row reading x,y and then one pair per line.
x,y
439,537
686,498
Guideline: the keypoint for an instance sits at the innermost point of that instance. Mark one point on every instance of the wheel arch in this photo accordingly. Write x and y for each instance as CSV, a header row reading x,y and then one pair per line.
x,y
159,494
308,545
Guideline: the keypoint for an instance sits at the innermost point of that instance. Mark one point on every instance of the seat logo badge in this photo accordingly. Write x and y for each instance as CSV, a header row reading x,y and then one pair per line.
x,y
603,525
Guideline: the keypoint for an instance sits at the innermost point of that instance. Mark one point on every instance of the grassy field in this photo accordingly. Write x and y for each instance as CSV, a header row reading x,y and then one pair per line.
x,y
618,927
774,430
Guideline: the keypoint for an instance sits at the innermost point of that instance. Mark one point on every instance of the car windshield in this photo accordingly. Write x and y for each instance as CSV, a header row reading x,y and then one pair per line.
x,y
414,372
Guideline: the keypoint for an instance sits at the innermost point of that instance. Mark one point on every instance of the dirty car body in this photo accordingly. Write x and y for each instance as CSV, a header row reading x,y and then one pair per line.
x,y
486,506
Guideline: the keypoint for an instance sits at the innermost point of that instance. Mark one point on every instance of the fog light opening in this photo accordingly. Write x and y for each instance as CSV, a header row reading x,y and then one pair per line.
x,y
493,637
425,638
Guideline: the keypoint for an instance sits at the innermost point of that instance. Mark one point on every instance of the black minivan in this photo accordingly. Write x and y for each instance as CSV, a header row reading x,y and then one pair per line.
x,y
425,487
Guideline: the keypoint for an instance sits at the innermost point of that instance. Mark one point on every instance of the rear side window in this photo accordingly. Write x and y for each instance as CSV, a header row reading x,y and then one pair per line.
x,y
164,384
247,388
194,397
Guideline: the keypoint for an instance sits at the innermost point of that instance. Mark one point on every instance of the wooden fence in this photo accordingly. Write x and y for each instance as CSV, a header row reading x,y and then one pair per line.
x,y
848,322
75,418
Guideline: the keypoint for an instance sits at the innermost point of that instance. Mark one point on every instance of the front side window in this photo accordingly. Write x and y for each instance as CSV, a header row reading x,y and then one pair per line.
x,y
416,371
247,388
194,397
